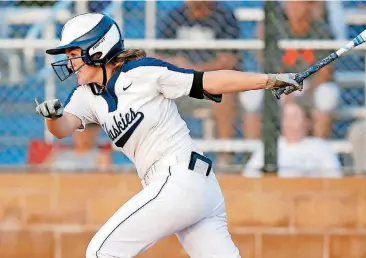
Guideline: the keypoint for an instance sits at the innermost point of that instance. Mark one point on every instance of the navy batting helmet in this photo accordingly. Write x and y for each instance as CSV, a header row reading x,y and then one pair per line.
x,y
98,37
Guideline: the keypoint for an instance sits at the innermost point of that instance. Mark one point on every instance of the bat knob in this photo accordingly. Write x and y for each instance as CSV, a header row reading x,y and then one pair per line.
x,y
278,92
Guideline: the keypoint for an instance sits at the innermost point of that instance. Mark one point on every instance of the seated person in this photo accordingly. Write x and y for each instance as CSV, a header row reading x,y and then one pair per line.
x,y
298,154
320,93
85,154
205,20
357,138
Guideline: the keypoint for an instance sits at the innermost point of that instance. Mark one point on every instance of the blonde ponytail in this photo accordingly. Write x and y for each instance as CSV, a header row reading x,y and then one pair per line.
x,y
127,55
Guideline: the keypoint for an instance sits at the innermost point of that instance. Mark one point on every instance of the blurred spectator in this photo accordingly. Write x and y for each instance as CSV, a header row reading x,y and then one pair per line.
x,y
320,93
357,137
204,20
85,153
333,13
98,6
298,154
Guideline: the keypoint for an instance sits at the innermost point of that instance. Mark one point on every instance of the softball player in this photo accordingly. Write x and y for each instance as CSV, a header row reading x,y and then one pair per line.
x,y
132,98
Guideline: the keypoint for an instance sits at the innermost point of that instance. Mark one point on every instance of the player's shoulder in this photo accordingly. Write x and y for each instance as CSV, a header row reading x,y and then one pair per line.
x,y
83,88
143,62
79,92
146,66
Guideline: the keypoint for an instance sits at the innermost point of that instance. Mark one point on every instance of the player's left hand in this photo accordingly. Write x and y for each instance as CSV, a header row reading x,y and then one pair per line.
x,y
284,80
51,109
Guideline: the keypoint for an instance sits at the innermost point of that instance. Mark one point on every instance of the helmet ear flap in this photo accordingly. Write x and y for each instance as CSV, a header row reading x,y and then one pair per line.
x,y
96,56
86,58
91,60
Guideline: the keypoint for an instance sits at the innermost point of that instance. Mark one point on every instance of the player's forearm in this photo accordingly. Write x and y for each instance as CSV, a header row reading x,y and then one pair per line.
x,y
63,126
227,81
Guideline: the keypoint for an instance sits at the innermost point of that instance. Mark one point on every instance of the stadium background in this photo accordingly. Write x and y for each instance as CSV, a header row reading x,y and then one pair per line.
x,y
268,212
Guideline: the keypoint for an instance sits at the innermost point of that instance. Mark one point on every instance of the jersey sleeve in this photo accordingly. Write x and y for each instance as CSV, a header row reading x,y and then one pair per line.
x,y
78,104
175,82
172,81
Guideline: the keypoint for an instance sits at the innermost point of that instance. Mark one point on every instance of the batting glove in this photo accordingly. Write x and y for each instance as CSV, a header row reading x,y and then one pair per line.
x,y
290,89
52,109
282,80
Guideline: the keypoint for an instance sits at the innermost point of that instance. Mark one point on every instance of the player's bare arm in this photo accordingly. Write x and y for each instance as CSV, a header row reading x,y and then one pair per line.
x,y
229,81
63,126
59,123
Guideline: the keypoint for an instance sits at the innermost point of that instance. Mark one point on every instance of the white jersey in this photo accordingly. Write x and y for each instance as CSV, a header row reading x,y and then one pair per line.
x,y
138,112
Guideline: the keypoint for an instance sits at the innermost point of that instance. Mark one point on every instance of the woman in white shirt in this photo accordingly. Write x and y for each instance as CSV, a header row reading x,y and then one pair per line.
x,y
298,154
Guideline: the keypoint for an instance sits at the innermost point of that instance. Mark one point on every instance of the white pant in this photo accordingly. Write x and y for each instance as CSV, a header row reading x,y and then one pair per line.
x,y
175,200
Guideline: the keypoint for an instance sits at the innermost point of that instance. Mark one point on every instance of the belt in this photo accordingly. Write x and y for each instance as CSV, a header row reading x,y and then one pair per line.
x,y
195,162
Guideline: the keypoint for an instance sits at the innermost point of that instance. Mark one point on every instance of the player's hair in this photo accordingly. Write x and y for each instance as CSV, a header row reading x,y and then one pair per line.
x,y
127,55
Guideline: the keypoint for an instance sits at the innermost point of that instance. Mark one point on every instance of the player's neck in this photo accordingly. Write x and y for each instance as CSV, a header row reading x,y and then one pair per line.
x,y
109,71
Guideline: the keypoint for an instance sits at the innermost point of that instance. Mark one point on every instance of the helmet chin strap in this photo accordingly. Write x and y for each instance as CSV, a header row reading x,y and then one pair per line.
x,y
98,89
104,75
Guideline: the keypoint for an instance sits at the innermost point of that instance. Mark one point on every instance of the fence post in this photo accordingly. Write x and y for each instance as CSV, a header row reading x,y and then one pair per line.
x,y
270,119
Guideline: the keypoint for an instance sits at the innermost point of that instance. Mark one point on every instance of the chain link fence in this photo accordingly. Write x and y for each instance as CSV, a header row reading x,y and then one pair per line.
x,y
233,31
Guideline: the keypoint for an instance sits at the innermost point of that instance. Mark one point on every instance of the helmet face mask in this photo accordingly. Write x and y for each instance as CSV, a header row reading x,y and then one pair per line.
x,y
98,37
62,69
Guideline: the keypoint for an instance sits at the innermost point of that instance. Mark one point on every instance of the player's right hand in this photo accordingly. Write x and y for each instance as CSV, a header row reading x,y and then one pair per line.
x,y
52,108
284,80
